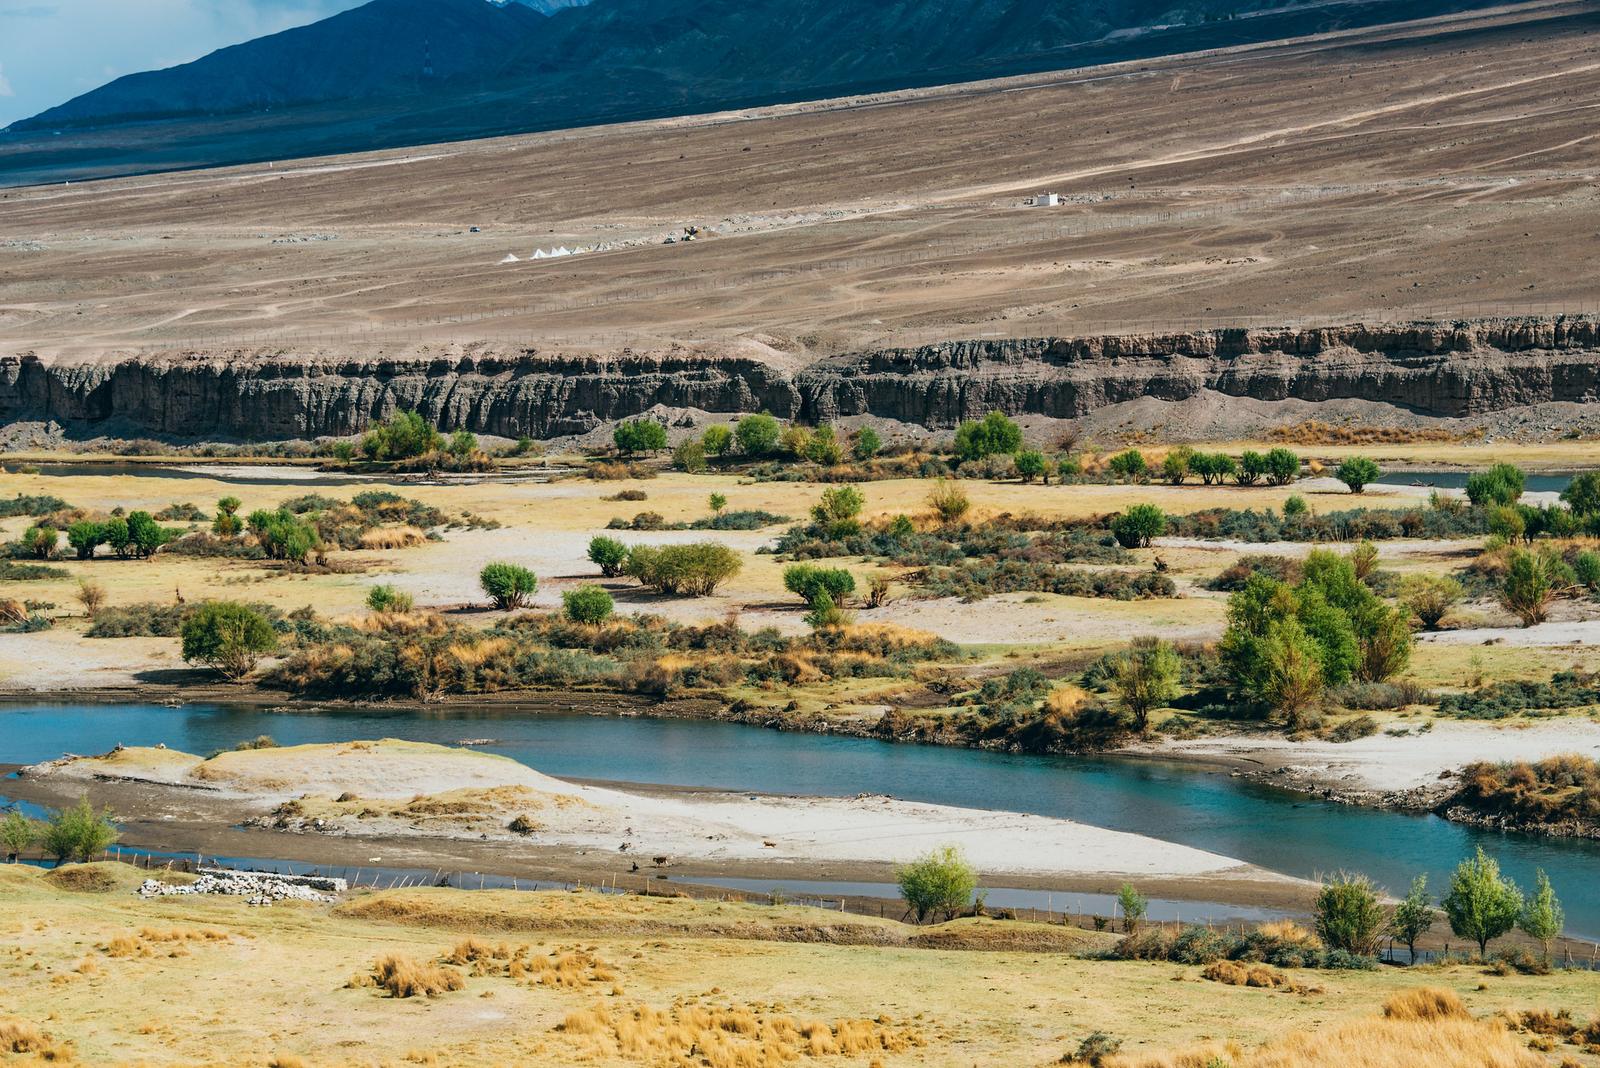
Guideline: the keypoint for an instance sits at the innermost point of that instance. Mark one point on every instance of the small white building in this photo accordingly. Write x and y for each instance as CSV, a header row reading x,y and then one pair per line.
x,y
1046,200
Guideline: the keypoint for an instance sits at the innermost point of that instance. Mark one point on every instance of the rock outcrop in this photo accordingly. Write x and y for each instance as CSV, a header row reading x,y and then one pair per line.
x,y
1461,370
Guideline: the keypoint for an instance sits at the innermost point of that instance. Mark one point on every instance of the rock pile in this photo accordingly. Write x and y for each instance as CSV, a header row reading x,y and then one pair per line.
x,y
259,888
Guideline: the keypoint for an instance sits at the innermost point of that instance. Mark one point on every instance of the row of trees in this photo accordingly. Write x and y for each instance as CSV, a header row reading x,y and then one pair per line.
x,y
753,437
78,833
1279,467
136,535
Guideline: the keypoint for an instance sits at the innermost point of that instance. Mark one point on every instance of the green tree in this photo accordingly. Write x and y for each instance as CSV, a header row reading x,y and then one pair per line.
x,y
1133,906
1134,528
807,580
283,535
639,435
1528,586
85,536
939,883
17,834
462,444
717,440
609,554
717,502
1146,678
39,541
1175,464
1348,915
1430,597
587,604
1482,904
403,436
838,508
1501,484
78,833
825,448
1252,468
385,598
1295,507
1212,467
693,570
1129,466
825,613
1413,916
993,435
1030,464
690,456
1542,916
1283,466
228,636
115,530
795,441
508,585
865,444
146,536
1582,494
757,435
1358,473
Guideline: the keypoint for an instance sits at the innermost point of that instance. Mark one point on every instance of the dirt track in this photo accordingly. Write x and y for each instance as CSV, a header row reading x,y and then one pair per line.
x,y
1441,165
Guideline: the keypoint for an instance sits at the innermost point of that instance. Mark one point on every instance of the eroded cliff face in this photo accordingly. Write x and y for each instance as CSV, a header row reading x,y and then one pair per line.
x,y
1462,370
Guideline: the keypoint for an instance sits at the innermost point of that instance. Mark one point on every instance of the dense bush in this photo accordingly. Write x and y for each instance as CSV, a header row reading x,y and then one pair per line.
x,y
993,435
228,636
385,598
757,435
403,436
806,581
1356,524
1358,473
1556,790
692,570
587,604
1235,575
1566,689
609,554
1501,484
1280,944
939,884
640,435
508,586
284,535
1135,527
78,833
31,504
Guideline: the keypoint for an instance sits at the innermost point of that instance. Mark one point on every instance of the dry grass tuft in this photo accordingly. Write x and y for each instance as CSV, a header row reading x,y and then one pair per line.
x,y
392,538
404,977
1426,1003
127,945
183,934
288,1060
1233,973
731,1036
19,1036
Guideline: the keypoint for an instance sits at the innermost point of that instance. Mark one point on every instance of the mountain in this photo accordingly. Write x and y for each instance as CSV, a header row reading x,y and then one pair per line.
x,y
384,47
401,72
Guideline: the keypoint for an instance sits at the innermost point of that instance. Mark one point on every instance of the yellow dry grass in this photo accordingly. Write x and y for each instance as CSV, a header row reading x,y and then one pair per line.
x,y
20,1037
392,538
404,977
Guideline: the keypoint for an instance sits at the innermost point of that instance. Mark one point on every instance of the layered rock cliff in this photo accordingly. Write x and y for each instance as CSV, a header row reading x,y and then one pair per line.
x,y
1460,370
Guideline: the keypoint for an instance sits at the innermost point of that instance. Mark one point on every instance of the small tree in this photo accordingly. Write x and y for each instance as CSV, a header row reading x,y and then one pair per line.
x,y
587,604
78,833
1030,465
717,502
40,541
1430,597
940,883
1358,473
1348,915
85,537
1283,466
1292,680
228,636
826,613
838,507
609,554
508,585
1413,916
1175,464
807,580
1252,468
690,456
1542,916
865,444
993,434
227,524
1528,586
385,598
1212,467
825,447
92,596
115,532
1133,905
795,441
757,435
1146,678
948,501
17,833
1501,484
146,536
1130,466
1295,507
404,436
717,440
639,435
1582,494
1364,558
1482,905
1134,528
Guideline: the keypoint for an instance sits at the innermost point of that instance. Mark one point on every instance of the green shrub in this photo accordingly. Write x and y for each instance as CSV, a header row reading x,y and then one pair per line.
x,y
639,435
587,604
31,504
78,833
718,440
226,524
1413,917
1030,465
1528,586
757,435
865,444
283,535
838,508
806,581
1283,466
940,883
508,585
1252,468
608,553
1357,472
85,536
40,542
993,435
1146,678
1212,467
228,636
385,598
1501,484
824,447
1295,507
1430,597
1582,494
403,436
1134,528
690,456
948,501
18,833
1130,466
692,570
1348,915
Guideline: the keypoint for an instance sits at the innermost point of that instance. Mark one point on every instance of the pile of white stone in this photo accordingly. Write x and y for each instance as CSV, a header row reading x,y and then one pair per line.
x,y
257,887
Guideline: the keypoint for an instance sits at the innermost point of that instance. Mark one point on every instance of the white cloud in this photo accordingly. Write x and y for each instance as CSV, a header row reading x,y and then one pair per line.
x,y
51,52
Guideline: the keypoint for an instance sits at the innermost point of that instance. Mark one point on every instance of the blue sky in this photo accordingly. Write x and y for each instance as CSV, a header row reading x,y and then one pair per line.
x,y
52,50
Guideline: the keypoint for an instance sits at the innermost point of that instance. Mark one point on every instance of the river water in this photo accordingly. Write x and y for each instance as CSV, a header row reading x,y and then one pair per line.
x,y
1273,828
